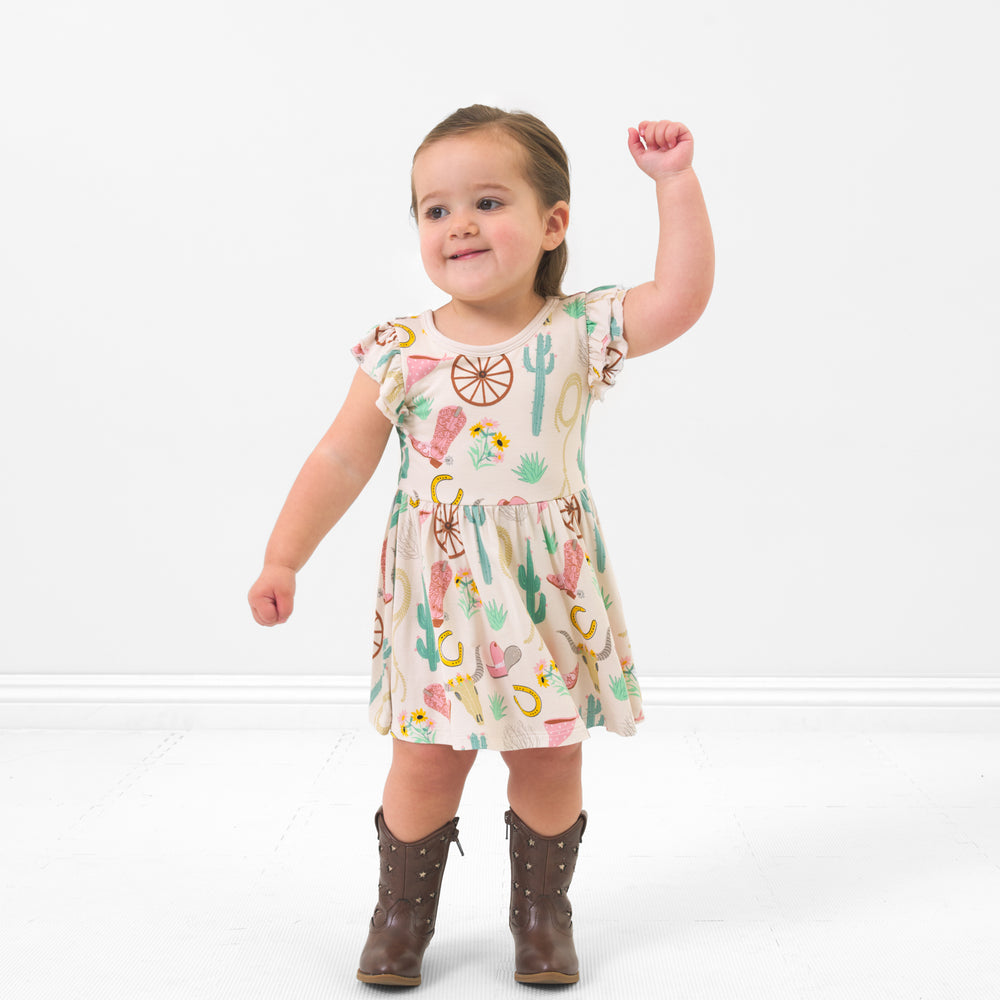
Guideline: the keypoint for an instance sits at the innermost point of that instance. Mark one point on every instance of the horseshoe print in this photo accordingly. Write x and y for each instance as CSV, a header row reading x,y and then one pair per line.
x,y
572,618
444,659
411,335
439,479
532,694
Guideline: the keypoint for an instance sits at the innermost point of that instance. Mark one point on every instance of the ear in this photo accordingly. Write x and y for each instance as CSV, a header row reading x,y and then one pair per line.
x,y
556,223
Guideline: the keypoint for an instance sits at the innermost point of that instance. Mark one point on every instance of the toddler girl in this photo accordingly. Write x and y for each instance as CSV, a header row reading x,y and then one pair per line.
x,y
498,623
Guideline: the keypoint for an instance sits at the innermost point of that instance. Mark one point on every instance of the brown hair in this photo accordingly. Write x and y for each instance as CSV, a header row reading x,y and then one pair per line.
x,y
546,169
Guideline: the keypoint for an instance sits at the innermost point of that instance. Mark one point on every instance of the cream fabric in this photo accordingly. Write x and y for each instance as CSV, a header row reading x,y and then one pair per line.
x,y
498,622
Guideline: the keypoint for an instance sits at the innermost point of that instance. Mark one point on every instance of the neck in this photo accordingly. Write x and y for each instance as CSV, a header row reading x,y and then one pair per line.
x,y
484,322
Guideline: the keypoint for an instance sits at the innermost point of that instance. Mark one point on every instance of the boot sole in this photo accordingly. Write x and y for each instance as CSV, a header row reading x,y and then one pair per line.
x,y
388,979
546,977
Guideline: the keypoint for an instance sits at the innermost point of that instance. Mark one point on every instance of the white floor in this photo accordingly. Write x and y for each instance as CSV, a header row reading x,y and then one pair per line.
x,y
224,864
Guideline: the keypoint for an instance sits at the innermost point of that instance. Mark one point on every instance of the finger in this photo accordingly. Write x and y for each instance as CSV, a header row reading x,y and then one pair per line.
x,y
635,146
662,132
264,611
283,605
676,133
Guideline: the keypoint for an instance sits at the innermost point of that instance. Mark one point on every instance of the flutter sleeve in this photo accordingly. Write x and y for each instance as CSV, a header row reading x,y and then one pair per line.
x,y
378,355
607,346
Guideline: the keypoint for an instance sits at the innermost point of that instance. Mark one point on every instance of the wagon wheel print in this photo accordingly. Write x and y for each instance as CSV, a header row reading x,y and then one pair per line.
x,y
446,530
379,635
482,381
611,366
569,507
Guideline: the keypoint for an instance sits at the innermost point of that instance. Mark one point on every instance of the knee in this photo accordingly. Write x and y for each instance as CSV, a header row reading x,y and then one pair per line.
x,y
429,764
550,762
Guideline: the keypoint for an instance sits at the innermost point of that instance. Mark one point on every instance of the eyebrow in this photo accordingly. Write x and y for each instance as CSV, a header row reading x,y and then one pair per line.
x,y
489,186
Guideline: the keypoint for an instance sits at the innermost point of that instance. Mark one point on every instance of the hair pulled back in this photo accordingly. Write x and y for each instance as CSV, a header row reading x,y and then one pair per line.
x,y
546,169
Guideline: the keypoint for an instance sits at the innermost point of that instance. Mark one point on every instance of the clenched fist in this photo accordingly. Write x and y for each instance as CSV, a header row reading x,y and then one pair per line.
x,y
661,148
272,596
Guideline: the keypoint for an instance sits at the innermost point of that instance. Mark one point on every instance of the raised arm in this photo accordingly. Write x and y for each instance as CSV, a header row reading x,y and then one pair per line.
x,y
660,310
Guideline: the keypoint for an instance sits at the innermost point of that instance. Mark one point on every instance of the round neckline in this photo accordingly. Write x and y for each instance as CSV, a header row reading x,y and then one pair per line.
x,y
485,350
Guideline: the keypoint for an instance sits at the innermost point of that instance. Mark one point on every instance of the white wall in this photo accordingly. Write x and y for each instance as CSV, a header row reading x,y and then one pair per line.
x,y
204,204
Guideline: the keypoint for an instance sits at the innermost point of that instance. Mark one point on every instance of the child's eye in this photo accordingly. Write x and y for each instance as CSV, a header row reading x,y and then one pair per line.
x,y
488,204
435,213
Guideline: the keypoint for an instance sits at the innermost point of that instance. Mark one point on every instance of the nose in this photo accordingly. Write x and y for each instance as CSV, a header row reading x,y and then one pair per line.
x,y
463,224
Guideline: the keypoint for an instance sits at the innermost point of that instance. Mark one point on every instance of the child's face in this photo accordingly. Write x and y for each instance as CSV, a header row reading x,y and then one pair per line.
x,y
482,230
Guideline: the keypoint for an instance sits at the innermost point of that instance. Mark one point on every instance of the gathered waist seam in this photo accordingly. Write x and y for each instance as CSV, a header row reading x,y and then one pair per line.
x,y
459,500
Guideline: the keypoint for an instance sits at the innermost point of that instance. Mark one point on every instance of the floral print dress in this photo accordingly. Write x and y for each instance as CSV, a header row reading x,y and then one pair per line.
x,y
498,623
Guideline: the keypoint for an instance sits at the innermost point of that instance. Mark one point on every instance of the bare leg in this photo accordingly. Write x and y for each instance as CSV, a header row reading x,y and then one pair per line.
x,y
424,787
545,787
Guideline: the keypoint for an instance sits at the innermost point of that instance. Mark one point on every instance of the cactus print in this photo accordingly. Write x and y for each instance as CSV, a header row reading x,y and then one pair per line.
x,y
541,368
499,621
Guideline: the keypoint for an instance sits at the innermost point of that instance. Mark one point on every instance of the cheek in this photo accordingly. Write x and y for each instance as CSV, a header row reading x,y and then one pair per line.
x,y
429,250
509,238
521,237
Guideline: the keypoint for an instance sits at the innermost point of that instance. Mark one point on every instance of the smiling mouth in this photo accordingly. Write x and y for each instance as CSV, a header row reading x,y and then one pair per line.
x,y
466,254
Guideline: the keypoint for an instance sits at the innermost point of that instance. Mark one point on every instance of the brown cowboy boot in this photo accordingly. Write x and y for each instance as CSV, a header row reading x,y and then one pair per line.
x,y
403,922
541,917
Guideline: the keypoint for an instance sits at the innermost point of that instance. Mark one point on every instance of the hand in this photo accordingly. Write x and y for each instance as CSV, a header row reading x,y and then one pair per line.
x,y
661,148
271,597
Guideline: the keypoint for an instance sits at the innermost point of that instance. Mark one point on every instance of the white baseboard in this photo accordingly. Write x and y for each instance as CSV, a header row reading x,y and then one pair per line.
x,y
249,701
